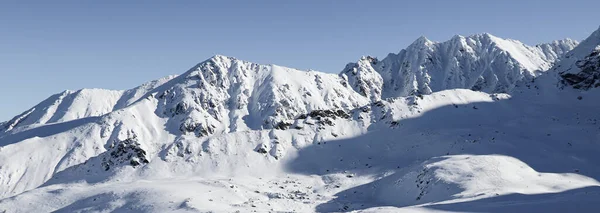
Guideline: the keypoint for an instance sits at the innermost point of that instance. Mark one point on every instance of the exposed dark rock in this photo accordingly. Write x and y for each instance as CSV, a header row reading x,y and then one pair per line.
x,y
282,125
262,148
320,115
124,152
197,128
589,76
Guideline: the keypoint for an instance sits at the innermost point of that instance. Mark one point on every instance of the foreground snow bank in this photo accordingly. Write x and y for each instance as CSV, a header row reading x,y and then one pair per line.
x,y
467,177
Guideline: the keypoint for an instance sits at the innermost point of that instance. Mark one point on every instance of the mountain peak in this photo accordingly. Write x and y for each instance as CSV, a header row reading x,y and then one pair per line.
x,y
421,41
220,59
583,49
363,78
489,38
595,35
488,35
218,56
457,37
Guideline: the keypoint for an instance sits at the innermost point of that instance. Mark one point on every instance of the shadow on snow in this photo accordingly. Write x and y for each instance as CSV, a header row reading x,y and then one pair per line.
x,y
548,139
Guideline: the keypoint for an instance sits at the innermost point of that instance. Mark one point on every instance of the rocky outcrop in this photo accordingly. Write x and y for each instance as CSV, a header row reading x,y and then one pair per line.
x,y
580,68
125,152
589,76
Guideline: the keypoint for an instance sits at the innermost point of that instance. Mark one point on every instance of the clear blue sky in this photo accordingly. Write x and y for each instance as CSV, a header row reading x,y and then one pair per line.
x,y
49,46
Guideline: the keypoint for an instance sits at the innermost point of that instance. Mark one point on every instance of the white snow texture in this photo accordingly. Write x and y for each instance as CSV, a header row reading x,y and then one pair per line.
x,y
473,124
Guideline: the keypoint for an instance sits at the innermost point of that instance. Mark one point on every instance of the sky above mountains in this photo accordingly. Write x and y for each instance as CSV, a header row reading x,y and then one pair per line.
x,y
47,47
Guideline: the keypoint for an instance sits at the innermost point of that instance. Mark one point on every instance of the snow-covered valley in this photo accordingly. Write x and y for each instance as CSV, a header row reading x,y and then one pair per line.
x,y
473,124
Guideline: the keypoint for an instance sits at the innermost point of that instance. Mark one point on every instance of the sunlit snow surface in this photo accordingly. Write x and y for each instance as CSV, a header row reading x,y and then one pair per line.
x,y
230,135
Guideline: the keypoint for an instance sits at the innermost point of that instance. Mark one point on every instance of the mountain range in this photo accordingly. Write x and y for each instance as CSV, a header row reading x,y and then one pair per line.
x,y
475,123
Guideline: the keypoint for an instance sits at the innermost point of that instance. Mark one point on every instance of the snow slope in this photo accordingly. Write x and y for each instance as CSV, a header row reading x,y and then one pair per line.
x,y
225,173
230,135
72,105
66,106
218,96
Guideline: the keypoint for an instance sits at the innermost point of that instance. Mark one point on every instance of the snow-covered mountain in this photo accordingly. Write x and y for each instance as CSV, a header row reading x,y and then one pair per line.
x,y
480,62
220,95
459,125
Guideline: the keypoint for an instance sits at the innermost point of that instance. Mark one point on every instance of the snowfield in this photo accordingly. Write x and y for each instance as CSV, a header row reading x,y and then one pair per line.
x,y
473,124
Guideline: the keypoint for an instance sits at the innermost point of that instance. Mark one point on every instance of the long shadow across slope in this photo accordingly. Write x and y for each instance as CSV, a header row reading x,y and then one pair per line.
x,y
46,130
547,137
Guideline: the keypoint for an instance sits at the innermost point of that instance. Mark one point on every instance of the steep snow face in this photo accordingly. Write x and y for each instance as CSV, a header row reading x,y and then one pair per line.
x,y
480,62
580,67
